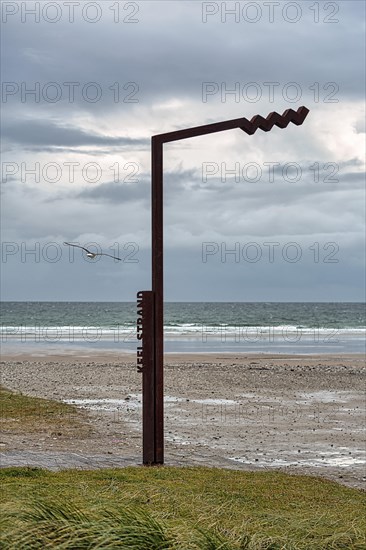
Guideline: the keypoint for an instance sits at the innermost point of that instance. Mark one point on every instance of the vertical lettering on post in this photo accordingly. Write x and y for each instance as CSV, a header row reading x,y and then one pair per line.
x,y
145,365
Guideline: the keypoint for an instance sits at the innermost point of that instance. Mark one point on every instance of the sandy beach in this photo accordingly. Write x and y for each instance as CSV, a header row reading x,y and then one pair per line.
x,y
300,414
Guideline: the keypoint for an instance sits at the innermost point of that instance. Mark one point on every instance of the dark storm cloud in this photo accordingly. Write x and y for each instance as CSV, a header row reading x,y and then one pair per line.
x,y
45,133
117,193
114,193
155,54
89,152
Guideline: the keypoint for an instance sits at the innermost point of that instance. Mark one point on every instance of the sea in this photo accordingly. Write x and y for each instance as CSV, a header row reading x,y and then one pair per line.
x,y
189,327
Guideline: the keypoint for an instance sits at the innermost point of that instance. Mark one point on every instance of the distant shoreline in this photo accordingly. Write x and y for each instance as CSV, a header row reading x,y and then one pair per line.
x,y
129,357
349,345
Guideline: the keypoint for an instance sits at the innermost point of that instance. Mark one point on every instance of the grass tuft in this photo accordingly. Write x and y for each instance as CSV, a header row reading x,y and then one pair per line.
x,y
177,508
47,524
23,414
27,471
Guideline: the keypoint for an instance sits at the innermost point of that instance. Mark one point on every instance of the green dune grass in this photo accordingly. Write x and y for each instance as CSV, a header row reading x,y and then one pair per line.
x,y
187,508
23,414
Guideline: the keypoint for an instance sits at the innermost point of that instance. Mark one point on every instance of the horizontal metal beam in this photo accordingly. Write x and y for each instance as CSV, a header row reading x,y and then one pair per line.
x,y
248,126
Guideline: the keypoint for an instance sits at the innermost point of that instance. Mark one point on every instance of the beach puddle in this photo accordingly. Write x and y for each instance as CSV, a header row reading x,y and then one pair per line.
x,y
222,427
107,405
214,401
326,458
177,439
325,396
135,401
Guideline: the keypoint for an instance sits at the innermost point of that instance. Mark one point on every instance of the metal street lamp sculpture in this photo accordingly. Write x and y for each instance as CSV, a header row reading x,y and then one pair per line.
x,y
150,303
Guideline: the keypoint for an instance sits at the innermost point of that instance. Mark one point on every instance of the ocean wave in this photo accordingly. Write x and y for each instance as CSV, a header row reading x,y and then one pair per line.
x,y
94,333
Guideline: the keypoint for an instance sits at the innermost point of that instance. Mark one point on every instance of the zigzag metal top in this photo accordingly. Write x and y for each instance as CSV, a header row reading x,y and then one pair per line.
x,y
248,126
274,119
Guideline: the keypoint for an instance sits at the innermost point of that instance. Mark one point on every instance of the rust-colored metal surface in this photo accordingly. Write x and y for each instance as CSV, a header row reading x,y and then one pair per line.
x,y
157,287
248,126
153,377
145,365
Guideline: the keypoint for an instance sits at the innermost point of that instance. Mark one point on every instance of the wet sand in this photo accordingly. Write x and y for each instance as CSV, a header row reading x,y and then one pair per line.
x,y
300,414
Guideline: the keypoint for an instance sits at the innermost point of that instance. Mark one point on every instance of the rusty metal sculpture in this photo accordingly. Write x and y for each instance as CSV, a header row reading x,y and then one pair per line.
x,y
150,303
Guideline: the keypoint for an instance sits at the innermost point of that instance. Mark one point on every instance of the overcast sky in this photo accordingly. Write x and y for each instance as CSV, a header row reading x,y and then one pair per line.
x,y
276,216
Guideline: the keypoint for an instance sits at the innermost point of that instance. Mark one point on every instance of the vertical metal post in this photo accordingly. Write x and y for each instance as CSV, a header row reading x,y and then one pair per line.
x,y
145,365
153,382
157,287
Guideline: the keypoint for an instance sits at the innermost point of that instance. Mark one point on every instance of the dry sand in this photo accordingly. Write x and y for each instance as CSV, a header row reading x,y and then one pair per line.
x,y
303,414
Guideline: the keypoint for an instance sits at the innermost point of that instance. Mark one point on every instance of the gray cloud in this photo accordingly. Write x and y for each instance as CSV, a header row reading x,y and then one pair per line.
x,y
152,52
168,55
45,133
116,193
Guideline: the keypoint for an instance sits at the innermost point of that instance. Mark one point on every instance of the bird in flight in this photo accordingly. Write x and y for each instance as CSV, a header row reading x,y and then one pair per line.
x,y
92,254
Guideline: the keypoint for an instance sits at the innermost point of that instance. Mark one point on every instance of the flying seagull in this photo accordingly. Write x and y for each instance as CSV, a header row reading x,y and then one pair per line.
x,y
92,254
